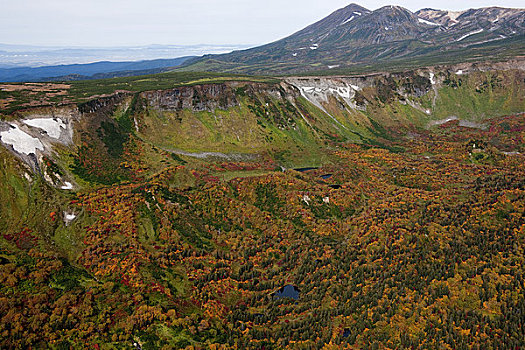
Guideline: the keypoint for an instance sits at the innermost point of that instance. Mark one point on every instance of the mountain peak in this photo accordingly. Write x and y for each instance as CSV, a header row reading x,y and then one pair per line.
x,y
336,18
394,13
353,7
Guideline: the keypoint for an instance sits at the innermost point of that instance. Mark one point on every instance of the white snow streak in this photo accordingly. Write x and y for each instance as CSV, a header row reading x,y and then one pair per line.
x,y
469,34
348,20
424,21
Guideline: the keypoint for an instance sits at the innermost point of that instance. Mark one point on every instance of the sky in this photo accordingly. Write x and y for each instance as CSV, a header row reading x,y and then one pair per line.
x,y
106,23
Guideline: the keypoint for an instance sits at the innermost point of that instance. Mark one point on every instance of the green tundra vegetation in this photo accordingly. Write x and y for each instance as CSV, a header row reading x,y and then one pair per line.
x,y
188,227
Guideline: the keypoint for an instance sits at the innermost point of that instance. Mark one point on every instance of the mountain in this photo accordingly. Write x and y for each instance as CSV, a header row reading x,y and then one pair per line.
x,y
380,211
95,70
354,36
203,210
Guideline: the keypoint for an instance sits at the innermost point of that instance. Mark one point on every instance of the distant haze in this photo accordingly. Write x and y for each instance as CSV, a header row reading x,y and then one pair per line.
x,y
103,23
35,56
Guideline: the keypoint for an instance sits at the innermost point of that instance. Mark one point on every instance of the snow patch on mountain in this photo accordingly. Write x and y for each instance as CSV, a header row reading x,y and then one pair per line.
x,y
344,92
69,217
421,20
319,91
20,141
67,186
348,20
442,121
52,126
471,33
453,15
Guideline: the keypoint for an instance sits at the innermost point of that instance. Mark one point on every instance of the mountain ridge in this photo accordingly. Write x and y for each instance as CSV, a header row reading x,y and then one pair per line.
x,y
354,35
88,71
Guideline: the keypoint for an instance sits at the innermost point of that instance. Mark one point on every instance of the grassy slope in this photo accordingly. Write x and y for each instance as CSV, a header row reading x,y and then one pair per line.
x,y
258,125
28,202
481,96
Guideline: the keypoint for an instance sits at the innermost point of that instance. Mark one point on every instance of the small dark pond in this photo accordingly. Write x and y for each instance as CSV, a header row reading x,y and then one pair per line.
x,y
346,333
288,291
302,170
326,176
335,186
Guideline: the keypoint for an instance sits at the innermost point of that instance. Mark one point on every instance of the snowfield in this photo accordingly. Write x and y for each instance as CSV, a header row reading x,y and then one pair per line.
x,y
21,142
344,92
52,126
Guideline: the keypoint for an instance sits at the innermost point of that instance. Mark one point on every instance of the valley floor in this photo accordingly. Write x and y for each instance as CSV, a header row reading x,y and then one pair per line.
x,y
419,244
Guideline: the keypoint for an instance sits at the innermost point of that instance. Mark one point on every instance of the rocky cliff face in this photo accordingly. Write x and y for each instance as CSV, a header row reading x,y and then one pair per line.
x,y
103,104
196,98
